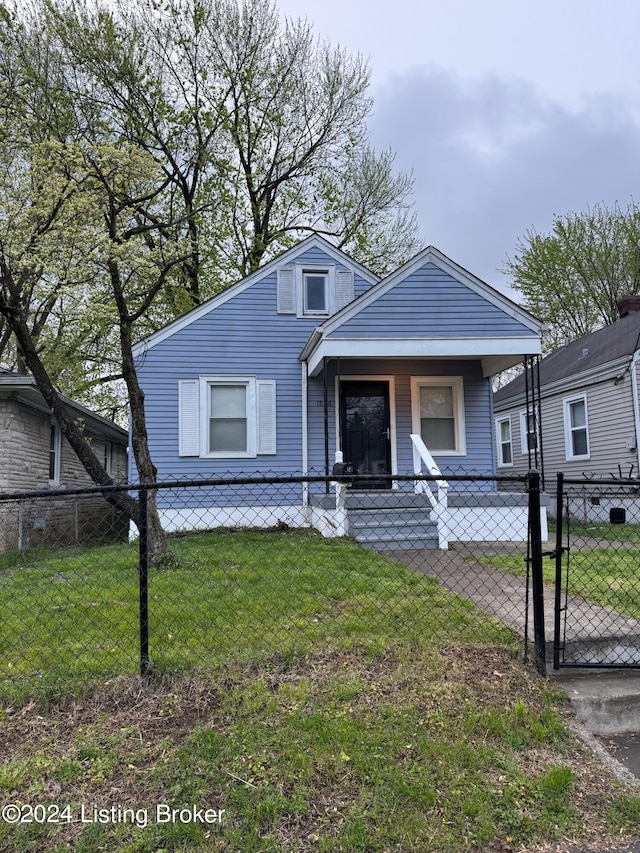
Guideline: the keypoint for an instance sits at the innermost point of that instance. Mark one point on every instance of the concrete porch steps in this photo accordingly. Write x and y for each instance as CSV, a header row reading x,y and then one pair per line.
x,y
387,520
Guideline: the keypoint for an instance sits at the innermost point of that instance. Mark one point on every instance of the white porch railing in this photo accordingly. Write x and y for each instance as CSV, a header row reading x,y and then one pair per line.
x,y
422,457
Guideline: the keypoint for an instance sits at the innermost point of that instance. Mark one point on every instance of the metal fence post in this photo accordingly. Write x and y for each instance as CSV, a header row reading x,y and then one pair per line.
x,y
143,568
536,572
559,553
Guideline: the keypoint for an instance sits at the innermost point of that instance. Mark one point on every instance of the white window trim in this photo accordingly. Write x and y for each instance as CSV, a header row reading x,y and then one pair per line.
x,y
524,450
457,385
499,442
57,448
318,269
205,397
568,432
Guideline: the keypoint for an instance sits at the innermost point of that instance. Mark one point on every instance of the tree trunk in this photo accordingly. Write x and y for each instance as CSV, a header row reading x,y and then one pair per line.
x,y
68,426
157,538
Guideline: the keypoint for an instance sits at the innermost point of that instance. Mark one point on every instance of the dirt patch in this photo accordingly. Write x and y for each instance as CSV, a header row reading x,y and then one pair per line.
x,y
117,740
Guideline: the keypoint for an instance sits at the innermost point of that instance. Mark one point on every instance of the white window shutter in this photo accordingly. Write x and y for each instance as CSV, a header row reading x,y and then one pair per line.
x,y
286,291
345,288
188,418
266,416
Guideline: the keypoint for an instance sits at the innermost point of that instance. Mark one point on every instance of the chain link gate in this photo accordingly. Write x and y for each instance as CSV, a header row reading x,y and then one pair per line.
x,y
597,573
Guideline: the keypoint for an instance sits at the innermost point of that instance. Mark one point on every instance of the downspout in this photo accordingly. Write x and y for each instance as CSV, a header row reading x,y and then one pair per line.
x,y
305,439
636,407
325,398
338,405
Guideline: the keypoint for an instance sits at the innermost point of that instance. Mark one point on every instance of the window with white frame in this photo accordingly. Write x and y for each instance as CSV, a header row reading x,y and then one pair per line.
x,y
54,454
503,441
308,290
227,427
108,457
315,291
227,417
528,432
438,413
576,427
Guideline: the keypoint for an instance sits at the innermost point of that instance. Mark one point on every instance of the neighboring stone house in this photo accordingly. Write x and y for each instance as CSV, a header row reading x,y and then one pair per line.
x,y
34,456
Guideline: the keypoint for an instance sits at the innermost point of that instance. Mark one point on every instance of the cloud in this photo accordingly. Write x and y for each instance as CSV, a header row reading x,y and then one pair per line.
x,y
492,158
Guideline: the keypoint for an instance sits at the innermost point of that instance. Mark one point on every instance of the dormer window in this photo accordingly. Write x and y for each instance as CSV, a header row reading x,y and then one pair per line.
x,y
307,290
315,291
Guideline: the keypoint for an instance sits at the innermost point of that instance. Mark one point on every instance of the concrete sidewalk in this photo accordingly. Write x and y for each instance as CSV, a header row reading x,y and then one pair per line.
x,y
504,596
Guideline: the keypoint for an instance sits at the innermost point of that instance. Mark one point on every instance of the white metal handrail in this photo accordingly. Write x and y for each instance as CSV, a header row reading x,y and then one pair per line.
x,y
421,456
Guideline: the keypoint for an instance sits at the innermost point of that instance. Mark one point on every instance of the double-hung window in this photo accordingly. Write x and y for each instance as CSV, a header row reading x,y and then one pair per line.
x,y
230,417
503,441
315,291
228,430
576,427
310,290
438,413
528,432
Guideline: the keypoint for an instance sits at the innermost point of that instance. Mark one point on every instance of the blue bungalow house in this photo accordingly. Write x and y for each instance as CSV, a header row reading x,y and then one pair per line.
x,y
311,360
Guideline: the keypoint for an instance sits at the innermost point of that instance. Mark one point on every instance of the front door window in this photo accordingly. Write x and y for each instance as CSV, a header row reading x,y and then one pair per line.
x,y
366,433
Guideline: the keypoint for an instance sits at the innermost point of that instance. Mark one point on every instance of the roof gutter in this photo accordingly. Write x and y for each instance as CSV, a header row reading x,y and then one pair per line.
x,y
312,343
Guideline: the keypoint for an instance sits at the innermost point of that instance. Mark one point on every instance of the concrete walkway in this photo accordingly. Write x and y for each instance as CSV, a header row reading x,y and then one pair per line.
x,y
590,630
606,701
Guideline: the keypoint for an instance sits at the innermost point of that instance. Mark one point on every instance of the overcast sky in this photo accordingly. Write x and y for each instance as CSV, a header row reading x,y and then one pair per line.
x,y
506,111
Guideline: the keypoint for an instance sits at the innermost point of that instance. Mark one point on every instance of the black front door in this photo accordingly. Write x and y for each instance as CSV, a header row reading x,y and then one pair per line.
x,y
366,431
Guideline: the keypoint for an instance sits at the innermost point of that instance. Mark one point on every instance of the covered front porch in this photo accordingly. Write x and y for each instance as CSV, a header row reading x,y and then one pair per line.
x,y
368,428
397,386
400,433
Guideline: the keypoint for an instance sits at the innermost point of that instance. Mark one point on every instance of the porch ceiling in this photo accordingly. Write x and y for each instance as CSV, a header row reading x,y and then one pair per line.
x,y
495,354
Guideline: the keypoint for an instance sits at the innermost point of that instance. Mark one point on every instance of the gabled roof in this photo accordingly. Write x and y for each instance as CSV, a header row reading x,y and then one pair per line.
x,y
338,337
24,388
439,259
602,347
314,241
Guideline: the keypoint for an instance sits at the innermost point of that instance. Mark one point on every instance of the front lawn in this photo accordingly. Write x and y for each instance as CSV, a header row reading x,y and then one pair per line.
x,y
70,618
417,749
323,697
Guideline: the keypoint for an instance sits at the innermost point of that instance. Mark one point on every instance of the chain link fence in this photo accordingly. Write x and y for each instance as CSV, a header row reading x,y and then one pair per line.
x,y
597,573
254,567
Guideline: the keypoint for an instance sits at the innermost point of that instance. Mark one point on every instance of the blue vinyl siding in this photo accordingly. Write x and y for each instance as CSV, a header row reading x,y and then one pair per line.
x,y
430,301
477,404
245,335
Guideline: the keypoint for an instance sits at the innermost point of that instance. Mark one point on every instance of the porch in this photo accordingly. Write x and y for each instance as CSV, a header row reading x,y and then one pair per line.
x,y
434,513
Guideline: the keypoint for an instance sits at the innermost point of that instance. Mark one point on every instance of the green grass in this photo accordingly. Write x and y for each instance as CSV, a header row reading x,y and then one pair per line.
x,y
326,698
70,618
629,533
414,750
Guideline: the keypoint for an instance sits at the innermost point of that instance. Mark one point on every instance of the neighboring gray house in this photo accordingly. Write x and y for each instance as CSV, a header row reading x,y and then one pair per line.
x,y
34,456
311,360
589,417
